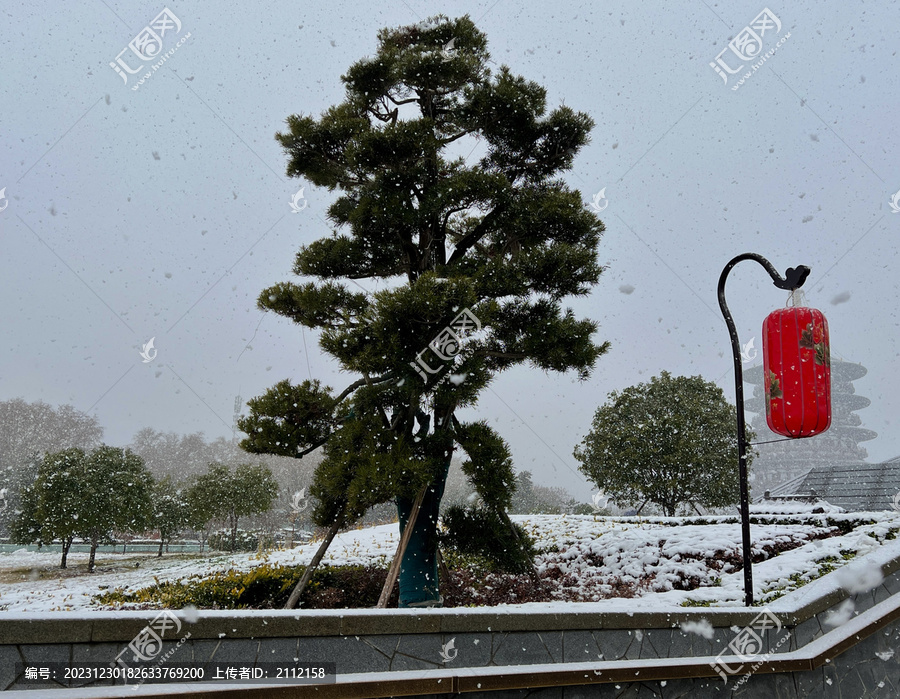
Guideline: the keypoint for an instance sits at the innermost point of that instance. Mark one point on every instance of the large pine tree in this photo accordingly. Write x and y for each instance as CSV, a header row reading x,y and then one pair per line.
x,y
475,257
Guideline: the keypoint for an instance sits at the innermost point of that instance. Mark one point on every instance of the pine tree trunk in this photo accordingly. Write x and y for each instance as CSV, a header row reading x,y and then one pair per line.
x,y
159,553
394,570
307,574
418,568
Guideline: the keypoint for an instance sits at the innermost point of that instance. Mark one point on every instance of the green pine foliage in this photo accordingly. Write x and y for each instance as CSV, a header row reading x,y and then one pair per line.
x,y
489,466
670,442
503,237
287,417
480,532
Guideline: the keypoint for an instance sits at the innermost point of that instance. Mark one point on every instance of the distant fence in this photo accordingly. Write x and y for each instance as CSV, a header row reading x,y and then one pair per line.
x,y
123,547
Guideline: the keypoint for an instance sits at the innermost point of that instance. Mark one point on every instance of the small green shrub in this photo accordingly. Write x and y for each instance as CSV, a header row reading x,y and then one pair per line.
x,y
264,587
244,541
480,532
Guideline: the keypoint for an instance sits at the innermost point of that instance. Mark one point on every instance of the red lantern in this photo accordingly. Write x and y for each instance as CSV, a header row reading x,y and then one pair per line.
x,y
797,369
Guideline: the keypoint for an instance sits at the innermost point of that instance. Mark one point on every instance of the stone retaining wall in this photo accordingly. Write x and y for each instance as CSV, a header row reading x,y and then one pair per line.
x,y
388,641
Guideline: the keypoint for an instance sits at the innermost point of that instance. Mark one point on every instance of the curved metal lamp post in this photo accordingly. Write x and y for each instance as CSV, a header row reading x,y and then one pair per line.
x,y
793,279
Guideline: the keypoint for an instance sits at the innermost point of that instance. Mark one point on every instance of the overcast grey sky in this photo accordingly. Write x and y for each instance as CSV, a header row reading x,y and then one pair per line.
x,y
163,211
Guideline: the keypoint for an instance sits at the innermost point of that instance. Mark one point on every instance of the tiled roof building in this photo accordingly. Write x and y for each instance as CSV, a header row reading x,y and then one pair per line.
x,y
855,487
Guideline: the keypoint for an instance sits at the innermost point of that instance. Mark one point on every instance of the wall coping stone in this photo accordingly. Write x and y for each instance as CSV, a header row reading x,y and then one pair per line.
x,y
443,681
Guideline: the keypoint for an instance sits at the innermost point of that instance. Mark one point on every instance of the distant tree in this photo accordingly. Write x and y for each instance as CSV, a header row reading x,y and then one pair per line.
x,y
206,499
117,494
531,499
457,490
553,500
51,507
523,501
14,482
170,512
253,490
180,455
221,494
671,442
24,526
28,431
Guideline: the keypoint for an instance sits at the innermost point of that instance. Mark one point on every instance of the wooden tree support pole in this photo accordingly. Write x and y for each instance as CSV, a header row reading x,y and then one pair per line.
x,y
394,570
307,574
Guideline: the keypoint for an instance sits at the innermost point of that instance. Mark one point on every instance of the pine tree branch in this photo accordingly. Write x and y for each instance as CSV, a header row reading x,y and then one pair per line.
x,y
451,139
398,102
502,355
313,447
384,417
347,391
359,382
476,234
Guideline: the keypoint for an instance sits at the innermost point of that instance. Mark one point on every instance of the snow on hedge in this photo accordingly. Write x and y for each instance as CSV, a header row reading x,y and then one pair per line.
x,y
665,561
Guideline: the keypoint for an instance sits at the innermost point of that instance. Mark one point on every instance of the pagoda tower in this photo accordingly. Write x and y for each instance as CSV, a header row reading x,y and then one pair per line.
x,y
839,445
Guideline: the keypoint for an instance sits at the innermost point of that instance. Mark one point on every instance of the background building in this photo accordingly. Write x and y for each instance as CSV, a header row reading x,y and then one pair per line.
x,y
836,449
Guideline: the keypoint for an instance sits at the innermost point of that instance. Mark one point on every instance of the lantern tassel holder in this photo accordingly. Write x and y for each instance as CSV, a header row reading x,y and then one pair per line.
x,y
792,280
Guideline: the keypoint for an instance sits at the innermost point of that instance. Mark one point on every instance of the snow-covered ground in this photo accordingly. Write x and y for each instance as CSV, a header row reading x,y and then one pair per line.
x,y
588,558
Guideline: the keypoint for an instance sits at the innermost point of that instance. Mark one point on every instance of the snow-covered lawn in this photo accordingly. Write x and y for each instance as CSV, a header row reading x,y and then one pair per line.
x,y
668,563
664,561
